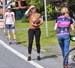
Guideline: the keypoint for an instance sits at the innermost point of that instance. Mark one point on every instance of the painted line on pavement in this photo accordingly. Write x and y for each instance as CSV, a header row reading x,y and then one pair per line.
x,y
20,55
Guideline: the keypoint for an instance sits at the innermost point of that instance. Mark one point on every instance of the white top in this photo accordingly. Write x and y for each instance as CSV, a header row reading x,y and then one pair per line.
x,y
9,17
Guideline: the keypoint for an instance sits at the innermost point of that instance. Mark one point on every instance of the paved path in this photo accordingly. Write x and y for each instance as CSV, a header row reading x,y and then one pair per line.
x,y
15,56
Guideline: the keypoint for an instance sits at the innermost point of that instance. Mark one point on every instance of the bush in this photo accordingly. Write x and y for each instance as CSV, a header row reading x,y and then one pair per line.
x,y
25,19
54,15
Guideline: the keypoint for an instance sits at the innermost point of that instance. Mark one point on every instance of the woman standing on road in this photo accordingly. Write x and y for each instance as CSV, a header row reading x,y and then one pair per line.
x,y
63,24
34,30
10,24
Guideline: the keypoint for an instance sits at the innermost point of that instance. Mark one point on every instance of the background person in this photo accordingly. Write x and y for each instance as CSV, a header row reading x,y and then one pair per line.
x,y
34,30
63,24
10,24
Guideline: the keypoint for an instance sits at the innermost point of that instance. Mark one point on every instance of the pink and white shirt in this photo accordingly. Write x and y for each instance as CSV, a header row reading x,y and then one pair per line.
x,y
63,25
9,17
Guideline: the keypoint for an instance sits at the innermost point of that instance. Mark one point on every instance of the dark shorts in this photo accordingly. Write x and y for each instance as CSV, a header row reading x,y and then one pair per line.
x,y
9,26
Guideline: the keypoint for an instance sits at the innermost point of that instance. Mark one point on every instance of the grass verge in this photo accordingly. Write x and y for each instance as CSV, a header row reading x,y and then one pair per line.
x,y
22,35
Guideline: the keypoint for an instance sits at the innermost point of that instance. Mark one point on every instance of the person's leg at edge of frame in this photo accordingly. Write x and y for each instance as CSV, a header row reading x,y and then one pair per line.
x,y
66,49
30,39
37,37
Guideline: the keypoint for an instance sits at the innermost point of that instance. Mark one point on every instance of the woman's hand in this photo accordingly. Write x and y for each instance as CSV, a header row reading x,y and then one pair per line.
x,y
35,25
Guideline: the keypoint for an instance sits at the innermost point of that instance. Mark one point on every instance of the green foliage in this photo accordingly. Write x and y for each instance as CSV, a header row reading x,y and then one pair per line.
x,y
25,19
37,3
71,1
49,8
52,13
71,5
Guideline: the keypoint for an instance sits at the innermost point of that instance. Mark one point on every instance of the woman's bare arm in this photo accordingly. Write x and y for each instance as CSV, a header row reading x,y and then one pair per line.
x,y
55,27
72,27
27,12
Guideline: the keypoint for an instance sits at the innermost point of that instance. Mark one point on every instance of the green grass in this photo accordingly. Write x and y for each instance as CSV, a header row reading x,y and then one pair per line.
x,y
22,36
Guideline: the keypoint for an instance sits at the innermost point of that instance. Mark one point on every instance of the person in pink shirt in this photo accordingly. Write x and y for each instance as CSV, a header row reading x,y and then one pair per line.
x,y
62,26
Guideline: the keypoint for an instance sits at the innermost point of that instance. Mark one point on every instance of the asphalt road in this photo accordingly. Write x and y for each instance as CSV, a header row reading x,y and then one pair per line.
x,y
10,60
15,56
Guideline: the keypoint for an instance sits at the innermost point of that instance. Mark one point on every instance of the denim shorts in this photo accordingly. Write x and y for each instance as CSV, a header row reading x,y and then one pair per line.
x,y
9,26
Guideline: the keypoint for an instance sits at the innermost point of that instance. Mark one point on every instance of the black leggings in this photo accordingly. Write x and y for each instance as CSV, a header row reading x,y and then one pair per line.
x,y
31,34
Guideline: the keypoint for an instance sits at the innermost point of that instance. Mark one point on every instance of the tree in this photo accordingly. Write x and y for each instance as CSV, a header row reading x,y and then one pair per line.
x,y
37,3
52,9
70,1
71,4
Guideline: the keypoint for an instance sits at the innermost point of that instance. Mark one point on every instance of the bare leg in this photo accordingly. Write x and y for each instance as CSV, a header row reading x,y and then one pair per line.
x,y
9,36
14,34
8,32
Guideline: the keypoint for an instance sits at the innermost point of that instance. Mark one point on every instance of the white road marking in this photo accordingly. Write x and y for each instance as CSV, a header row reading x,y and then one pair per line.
x,y
20,55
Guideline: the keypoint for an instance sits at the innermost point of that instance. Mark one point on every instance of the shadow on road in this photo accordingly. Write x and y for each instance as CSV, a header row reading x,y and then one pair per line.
x,y
20,42
47,57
